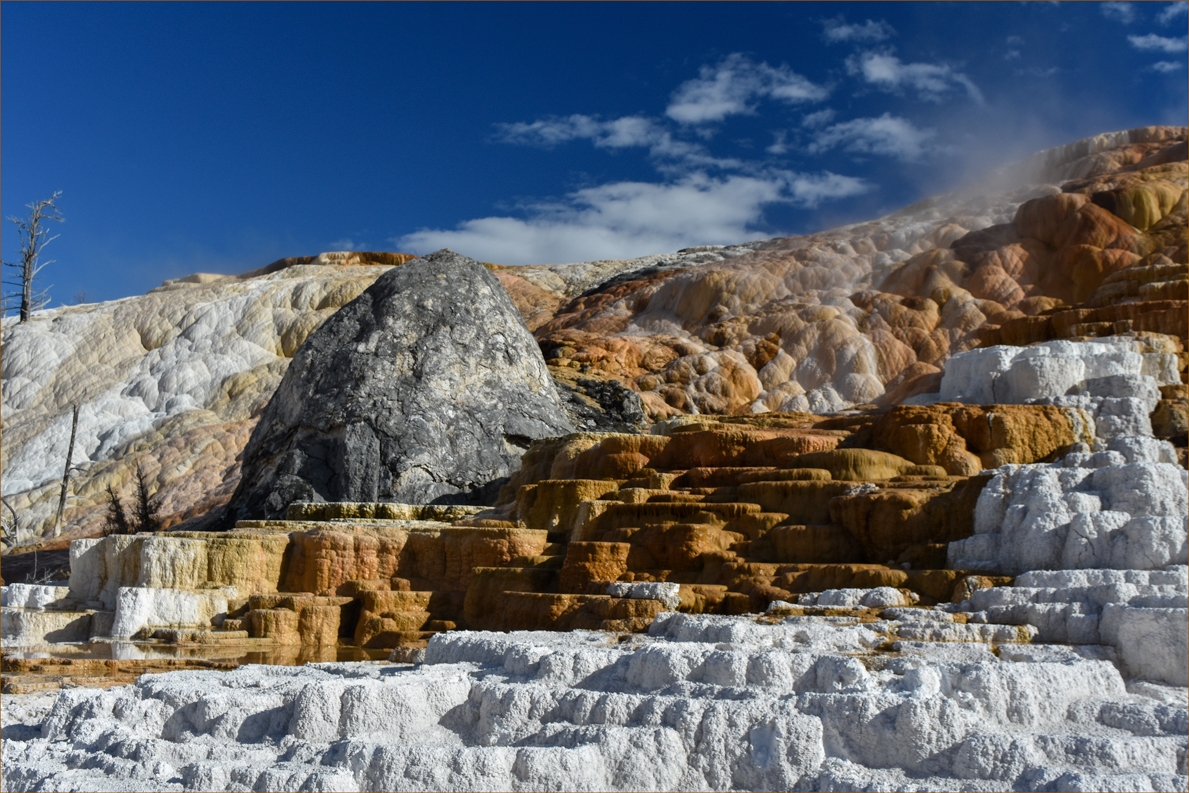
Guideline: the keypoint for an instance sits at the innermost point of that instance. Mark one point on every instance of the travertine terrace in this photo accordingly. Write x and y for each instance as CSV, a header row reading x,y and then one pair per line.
x,y
909,513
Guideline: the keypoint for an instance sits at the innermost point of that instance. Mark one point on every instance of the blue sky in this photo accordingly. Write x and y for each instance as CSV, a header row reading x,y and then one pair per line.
x,y
218,137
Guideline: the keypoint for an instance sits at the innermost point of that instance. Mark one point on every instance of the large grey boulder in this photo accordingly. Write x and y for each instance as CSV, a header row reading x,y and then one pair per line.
x,y
427,388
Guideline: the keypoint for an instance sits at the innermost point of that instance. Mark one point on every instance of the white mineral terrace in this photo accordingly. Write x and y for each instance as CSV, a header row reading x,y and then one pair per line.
x,y
700,703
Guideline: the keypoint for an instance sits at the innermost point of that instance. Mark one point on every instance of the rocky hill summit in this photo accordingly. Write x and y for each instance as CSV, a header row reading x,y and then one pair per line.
x,y
1082,240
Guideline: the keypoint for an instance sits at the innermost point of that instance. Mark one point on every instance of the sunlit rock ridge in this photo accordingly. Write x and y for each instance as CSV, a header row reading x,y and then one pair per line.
x,y
1083,240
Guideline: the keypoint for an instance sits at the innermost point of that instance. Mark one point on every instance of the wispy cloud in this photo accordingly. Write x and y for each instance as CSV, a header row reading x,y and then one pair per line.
x,y
817,119
1120,12
627,219
810,190
837,29
931,81
731,87
779,143
887,135
1172,11
1165,67
1154,43
1013,53
347,244
617,133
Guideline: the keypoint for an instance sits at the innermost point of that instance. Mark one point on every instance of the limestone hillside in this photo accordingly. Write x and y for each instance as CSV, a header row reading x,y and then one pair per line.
x,y
1083,240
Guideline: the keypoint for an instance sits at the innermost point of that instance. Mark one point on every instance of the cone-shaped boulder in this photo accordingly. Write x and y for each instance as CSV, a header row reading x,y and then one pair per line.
x,y
427,388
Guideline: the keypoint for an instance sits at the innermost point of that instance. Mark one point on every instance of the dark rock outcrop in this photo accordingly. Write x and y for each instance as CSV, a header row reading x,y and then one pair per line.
x,y
427,388
598,405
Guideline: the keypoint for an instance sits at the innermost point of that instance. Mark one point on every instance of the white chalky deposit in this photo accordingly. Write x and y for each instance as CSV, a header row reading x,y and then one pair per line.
x,y
700,703
1111,379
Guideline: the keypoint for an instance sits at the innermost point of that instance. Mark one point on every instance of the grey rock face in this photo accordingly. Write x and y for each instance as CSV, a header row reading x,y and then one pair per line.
x,y
427,388
601,405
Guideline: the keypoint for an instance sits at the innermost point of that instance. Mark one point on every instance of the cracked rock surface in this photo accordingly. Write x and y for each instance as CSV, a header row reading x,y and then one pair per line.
x,y
427,388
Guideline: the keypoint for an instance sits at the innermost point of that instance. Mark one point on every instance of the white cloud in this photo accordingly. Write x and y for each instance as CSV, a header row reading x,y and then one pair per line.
x,y
779,146
835,30
931,81
1172,11
618,133
812,189
627,219
1165,67
347,244
818,118
730,87
887,135
1152,42
1121,12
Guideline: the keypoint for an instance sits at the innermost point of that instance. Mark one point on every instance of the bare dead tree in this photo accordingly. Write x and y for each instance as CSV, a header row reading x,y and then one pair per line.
x,y
66,472
34,237
8,528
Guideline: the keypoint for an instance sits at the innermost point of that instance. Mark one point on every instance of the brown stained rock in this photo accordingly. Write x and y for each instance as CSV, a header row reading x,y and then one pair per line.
x,y
553,504
319,624
917,378
965,439
1163,316
888,521
278,624
618,515
535,304
806,544
1170,419
249,563
391,619
860,465
738,446
819,577
322,560
325,559
1019,434
967,585
682,547
538,462
619,456
450,559
587,562
487,595
936,585
538,611
702,598
1068,219
804,502
732,477
293,619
